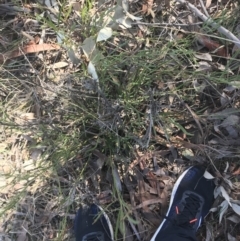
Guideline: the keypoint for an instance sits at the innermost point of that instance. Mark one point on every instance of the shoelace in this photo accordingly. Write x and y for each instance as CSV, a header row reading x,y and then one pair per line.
x,y
188,215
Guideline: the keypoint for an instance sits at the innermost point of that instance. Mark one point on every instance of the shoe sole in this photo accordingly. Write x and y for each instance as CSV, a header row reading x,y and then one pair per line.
x,y
175,187
99,227
108,221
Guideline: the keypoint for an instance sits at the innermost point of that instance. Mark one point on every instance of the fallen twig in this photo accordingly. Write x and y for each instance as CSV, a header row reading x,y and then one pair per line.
x,y
209,21
26,50
204,9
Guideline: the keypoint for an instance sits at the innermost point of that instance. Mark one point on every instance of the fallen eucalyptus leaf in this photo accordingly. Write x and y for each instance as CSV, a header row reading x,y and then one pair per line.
x,y
231,120
228,182
224,207
232,132
235,49
227,166
225,195
104,34
208,3
213,210
231,238
199,87
92,71
203,56
204,66
236,208
118,13
125,22
222,114
60,37
72,56
125,5
58,65
235,84
216,192
229,89
51,3
207,175
209,232
224,99
234,219
89,47
132,17
116,177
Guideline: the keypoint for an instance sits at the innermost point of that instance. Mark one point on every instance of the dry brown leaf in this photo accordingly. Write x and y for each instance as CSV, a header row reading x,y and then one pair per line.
x,y
152,179
105,197
140,159
141,184
212,46
144,8
142,195
147,7
27,50
128,184
58,65
179,142
236,172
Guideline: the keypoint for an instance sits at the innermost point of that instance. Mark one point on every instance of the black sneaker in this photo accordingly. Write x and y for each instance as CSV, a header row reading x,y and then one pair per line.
x,y
92,224
191,200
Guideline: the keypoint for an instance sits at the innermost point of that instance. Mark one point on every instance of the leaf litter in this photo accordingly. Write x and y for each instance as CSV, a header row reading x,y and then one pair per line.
x,y
146,137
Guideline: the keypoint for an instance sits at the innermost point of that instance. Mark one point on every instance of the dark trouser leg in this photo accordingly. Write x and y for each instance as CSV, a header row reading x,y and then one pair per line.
x,y
177,234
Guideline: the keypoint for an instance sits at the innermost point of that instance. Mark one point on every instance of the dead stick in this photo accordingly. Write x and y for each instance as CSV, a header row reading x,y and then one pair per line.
x,y
209,21
203,8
